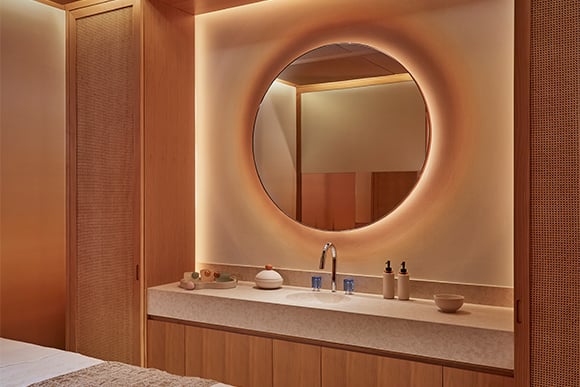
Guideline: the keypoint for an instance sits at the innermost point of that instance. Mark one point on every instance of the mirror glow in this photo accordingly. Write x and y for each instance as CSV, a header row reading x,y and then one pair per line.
x,y
341,137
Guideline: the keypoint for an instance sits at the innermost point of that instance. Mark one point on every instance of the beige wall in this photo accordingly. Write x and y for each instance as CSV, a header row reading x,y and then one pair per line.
x,y
275,145
372,128
457,225
32,172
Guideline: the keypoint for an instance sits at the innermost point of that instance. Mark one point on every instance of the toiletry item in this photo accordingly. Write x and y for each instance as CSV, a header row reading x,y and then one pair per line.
x,y
187,284
223,277
206,275
268,279
348,284
191,275
316,283
388,282
403,283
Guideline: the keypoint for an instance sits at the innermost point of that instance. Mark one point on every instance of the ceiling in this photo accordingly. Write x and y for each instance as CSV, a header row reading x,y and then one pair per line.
x,y
340,62
335,62
193,7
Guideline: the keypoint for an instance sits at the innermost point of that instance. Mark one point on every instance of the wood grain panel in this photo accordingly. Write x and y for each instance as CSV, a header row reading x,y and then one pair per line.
x,y
194,351
522,192
453,377
169,164
389,189
196,7
328,200
166,346
233,358
295,364
346,368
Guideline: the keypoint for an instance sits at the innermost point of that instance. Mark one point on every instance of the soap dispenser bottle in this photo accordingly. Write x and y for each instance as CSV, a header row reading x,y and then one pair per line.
x,y
403,283
388,282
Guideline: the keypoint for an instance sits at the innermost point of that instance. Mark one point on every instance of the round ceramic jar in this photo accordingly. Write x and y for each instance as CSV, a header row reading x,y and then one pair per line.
x,y
268,279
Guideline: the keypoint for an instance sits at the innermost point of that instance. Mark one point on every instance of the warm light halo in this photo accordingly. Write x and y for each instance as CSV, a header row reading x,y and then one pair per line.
x,y
342,85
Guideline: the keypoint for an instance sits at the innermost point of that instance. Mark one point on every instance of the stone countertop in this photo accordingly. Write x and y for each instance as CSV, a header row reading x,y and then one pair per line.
x,y
477,334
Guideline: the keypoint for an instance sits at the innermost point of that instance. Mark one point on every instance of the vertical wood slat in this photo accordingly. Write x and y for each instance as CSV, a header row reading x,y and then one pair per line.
x,y
454,377
104,183
166,346
233,358
169,143
295,364
522,193
340,367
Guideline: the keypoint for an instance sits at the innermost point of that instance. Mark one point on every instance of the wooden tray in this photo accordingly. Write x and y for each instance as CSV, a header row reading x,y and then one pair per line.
x,y
213,285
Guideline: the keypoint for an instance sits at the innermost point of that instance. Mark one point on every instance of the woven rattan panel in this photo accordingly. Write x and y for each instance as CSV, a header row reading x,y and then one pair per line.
x,y
106,187
555,193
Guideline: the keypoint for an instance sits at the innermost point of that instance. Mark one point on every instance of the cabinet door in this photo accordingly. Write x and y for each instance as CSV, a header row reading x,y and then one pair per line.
x,y
347,368
104,198
233,358
295,364
166,346
453,377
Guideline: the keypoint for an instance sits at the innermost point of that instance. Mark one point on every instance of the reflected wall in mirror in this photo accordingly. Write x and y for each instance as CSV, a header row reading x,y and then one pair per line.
x,y
341,137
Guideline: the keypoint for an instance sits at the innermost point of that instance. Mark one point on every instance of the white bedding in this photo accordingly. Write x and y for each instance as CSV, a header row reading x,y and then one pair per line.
x,y
22,364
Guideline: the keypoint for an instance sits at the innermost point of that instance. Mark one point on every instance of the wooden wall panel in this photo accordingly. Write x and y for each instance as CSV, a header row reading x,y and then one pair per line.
x,y
169,143
522,193
196,7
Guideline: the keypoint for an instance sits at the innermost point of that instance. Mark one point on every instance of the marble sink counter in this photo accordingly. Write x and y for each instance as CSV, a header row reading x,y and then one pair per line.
x,y
477,334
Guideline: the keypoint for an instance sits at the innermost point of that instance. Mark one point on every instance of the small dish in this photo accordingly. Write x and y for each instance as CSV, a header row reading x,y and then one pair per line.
x,y
448,303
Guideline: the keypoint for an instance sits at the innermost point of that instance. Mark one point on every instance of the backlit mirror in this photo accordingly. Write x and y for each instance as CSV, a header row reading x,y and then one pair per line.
x,y
341,136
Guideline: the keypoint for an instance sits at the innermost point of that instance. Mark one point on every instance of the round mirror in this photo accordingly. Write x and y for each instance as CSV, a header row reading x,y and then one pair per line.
x,y
341,136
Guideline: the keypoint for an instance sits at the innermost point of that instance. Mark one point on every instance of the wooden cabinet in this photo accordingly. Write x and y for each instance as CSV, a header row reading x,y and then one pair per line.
x,y
248,360
233,358
130,159
347,368
166,346
295,364
454,377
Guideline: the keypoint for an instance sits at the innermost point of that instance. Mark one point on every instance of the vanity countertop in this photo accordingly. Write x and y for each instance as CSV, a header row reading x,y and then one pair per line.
x,y
477,334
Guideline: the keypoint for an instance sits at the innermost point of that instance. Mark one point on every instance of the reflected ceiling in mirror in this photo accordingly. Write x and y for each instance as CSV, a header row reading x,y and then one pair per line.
x,y
341,137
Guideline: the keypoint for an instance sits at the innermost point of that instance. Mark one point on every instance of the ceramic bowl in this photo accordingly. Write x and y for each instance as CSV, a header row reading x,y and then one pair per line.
x,y
268,279
448,303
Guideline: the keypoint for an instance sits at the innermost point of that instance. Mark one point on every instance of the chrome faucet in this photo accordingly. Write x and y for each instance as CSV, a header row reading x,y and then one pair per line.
x,y
332,248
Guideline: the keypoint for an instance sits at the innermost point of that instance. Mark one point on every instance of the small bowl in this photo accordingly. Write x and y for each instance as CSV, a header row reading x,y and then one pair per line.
x,y
448,303
268,279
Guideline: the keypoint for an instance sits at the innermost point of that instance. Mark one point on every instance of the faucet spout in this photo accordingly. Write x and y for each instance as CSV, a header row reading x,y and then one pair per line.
x,y
329,245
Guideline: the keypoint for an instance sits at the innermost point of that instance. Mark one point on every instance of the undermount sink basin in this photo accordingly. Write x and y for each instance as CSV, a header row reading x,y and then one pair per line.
x,y
318,297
